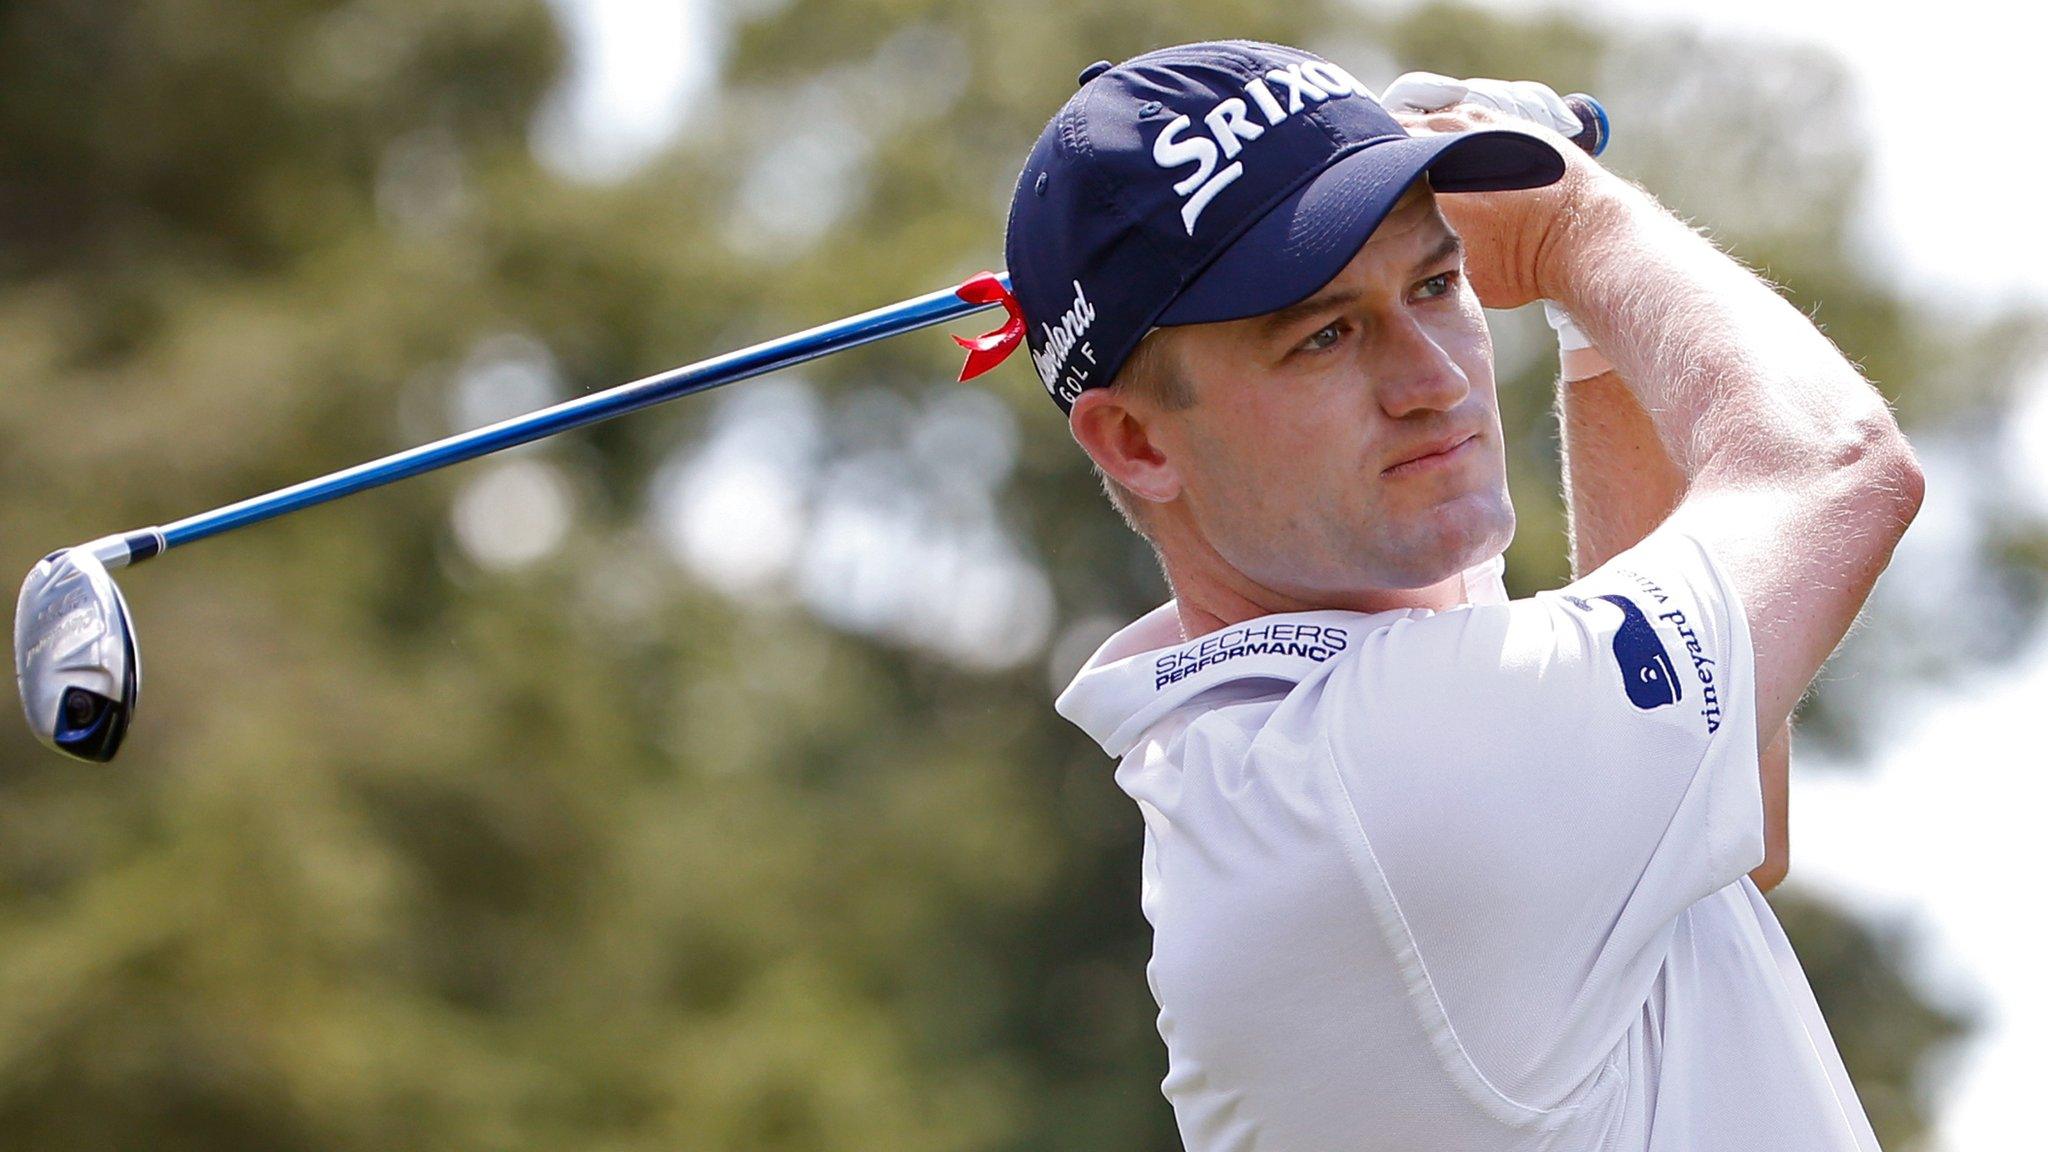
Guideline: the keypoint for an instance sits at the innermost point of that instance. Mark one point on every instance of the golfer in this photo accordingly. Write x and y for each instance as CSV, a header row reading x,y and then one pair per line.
x,y
1428,868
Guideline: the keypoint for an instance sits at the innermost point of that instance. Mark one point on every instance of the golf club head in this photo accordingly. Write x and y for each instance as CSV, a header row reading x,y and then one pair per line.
x,y
74,656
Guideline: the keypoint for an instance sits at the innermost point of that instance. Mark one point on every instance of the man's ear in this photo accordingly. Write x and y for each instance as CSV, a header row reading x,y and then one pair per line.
x,y
1122,437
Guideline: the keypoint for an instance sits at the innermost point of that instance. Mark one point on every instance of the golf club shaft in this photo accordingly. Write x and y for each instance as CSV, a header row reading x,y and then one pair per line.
x,y
768,356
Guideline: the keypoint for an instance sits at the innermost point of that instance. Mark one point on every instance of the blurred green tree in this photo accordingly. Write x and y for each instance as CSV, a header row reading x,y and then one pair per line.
x,y
421,845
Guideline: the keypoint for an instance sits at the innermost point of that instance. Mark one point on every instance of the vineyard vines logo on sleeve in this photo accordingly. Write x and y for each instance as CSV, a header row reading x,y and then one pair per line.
x,y
1645,666
1231,125
1646,669
1062,342
1313,642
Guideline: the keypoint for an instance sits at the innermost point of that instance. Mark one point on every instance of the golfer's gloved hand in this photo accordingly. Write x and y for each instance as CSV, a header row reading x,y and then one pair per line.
x,y
1522,99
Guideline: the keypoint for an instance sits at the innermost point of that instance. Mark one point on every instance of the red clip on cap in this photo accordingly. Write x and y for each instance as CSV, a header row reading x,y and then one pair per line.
x,y
993,347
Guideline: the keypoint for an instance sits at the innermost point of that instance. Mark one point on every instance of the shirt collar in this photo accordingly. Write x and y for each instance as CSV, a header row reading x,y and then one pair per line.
x,y
1145,671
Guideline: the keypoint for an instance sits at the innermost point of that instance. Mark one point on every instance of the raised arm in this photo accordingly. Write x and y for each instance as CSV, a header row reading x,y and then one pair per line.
x,y
1799,480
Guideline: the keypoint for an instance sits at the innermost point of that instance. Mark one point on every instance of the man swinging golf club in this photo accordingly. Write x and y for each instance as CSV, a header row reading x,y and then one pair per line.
x,y
1428,868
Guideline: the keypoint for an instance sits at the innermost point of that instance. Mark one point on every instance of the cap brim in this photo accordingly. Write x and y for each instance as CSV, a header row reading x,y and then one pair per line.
x,y
1305,239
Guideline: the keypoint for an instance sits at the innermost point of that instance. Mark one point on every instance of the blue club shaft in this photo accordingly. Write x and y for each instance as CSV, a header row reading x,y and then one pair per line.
x,y
768,356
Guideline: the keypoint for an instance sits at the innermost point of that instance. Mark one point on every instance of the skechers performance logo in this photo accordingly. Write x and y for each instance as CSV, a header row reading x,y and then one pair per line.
x,y
1062,341
1315,642
1277,95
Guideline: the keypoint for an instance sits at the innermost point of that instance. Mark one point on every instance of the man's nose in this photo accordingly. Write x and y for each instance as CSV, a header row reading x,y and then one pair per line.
x,y
1416,372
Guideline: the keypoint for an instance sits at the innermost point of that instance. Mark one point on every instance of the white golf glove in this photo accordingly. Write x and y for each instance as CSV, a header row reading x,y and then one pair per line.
x,y
1523,99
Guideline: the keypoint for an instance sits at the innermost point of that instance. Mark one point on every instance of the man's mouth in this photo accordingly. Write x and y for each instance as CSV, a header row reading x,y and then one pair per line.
x,y
1439,455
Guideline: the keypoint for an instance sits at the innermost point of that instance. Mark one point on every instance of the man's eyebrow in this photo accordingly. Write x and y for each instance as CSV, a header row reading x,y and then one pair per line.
x,y
1451,245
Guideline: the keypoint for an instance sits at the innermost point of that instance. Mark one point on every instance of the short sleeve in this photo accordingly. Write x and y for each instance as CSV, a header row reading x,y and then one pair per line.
x,y
1545,786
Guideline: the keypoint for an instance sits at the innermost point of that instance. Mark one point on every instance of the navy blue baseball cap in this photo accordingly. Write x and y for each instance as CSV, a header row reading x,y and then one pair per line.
x,y
1214,181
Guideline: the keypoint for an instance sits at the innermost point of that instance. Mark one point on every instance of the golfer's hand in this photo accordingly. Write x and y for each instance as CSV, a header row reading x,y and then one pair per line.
x,y
1511,238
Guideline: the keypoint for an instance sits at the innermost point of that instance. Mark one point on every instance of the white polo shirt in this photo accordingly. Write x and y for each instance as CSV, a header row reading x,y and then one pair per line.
x,y
1471,879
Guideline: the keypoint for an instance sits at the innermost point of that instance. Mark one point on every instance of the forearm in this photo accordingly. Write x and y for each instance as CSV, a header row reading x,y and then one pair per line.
x,y
1619,485
1619,482
1732,378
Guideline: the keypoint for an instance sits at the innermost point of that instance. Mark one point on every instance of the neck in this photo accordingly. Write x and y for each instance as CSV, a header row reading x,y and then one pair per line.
x,y
1210,594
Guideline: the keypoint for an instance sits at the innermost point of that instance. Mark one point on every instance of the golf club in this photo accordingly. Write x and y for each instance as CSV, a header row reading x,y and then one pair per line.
x,y
75,657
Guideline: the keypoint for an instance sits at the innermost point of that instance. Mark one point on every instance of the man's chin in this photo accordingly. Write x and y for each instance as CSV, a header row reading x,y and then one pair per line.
x,y
1368,571
1463,534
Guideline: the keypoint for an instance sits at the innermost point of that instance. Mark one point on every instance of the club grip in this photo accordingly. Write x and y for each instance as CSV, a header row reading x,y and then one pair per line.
x,y
1593,127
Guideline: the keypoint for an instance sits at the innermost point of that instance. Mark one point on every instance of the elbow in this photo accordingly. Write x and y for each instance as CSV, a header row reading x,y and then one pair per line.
x,y
1909,480
1901,481
1886,471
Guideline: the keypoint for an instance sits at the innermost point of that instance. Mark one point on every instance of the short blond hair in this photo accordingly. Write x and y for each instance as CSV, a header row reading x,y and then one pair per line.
x,y
1155,373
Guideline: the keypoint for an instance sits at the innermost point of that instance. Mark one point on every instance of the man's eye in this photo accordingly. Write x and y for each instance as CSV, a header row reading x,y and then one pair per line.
x,y
1437,285
1324,337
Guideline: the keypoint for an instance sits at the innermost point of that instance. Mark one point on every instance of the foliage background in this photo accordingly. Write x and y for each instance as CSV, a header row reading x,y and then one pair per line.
x,y
691,782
